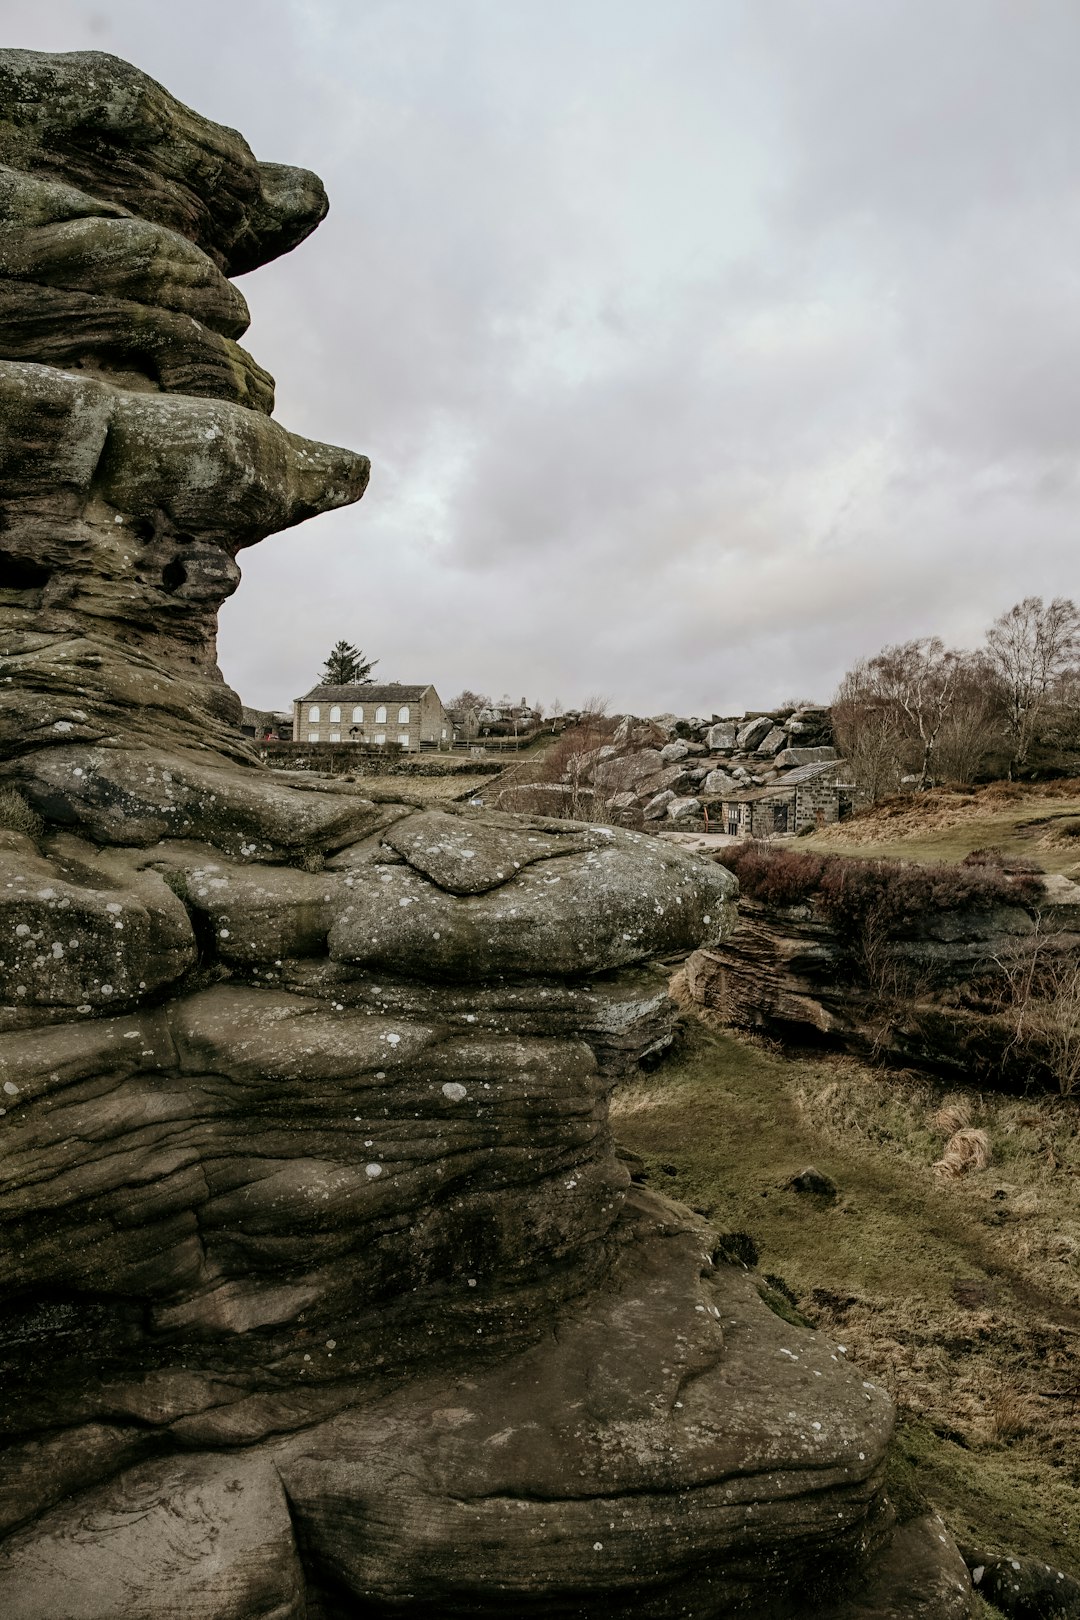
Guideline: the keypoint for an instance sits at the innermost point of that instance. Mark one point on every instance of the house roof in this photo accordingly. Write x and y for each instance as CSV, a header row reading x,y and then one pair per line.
x,y
365,692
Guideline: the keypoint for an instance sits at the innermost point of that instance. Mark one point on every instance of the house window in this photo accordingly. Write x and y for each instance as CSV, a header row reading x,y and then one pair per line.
x,y
403,715
444,733
335,736
403,738
335,712
380,717
313,736
380,737
313,713
358,714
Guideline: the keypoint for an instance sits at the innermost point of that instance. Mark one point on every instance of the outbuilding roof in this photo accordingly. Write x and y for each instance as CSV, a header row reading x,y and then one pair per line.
x,y
783,784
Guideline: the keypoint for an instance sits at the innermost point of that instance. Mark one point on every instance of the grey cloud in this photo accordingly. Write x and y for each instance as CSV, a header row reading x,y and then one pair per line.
x,y
699,348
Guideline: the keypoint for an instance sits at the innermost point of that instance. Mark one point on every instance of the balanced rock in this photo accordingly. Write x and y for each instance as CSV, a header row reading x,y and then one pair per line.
x,y
325,1290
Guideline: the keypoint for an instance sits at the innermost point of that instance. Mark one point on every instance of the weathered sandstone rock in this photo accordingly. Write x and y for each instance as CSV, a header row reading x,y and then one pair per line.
x,y
325,1289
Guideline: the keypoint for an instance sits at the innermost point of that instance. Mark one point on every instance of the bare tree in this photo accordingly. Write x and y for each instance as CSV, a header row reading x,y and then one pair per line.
x,y
891,710
866,734
971,729
917,679
1032,649
469,700
594,707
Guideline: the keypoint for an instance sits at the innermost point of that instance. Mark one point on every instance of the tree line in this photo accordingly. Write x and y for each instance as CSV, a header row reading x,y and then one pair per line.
x,y
920,712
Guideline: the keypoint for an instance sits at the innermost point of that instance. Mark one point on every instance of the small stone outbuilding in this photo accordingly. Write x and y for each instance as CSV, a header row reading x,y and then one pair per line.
x,y
807,796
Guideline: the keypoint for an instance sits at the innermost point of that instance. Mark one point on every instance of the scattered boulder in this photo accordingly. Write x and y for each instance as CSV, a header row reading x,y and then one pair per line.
x,y
683,809
718,783
1025,1588
673,751
814,1182
720,739
657,807
772,742
753,732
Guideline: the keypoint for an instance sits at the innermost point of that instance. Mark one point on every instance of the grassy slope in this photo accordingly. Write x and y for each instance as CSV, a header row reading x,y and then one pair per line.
x,y
962,1296
946,824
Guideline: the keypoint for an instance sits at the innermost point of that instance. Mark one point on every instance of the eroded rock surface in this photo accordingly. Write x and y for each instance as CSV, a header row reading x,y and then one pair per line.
x,y
325,1291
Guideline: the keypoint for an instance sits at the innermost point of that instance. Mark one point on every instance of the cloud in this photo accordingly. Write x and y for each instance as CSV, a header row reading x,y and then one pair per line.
x,y
699,349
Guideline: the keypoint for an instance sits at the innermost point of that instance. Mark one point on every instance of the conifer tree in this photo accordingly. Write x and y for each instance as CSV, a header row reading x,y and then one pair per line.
x,y
346,665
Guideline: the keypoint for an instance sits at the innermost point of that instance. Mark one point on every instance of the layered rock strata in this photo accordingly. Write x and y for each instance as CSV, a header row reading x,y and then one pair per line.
x,y
325,1290
947,992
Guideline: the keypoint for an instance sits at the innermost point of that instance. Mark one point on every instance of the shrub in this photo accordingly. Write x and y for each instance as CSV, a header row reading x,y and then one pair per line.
x,y
17,816
896,894
777,877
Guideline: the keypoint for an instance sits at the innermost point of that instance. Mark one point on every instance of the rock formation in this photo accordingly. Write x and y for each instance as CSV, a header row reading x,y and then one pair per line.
x,y
932,991
687,774
324,1290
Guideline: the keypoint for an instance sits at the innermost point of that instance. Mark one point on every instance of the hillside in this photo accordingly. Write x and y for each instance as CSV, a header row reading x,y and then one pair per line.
x,y
1037,821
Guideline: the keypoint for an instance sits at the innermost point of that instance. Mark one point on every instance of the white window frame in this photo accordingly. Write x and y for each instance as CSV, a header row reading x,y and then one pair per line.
x,y
313,715
403,739
358,714
335,736
335,713
403,715
380,715
313,736
380,738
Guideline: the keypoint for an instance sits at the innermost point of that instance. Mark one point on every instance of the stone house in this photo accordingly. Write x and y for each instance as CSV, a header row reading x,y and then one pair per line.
x,y
266,725
373,714
807,796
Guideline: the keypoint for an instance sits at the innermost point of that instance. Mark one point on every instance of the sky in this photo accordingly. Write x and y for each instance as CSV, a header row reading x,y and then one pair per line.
x,y
700,347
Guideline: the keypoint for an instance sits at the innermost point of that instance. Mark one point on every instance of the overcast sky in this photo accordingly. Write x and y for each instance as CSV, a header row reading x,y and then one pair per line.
x,y
699,346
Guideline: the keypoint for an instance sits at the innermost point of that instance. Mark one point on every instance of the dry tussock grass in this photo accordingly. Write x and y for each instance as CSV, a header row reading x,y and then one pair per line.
x,y
640,1100
954,1114
17,816
1008,1411
966,1150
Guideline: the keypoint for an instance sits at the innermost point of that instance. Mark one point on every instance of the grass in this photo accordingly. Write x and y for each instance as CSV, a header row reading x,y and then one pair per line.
x,y
429,788
1041,823
961,1296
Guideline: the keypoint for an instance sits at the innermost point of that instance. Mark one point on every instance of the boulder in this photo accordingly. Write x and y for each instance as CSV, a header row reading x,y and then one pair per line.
x,y
674,751
584,913
1025,1588
656,808
683,809
629,772
772,743
753,732
207,1537
718,783
721,738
